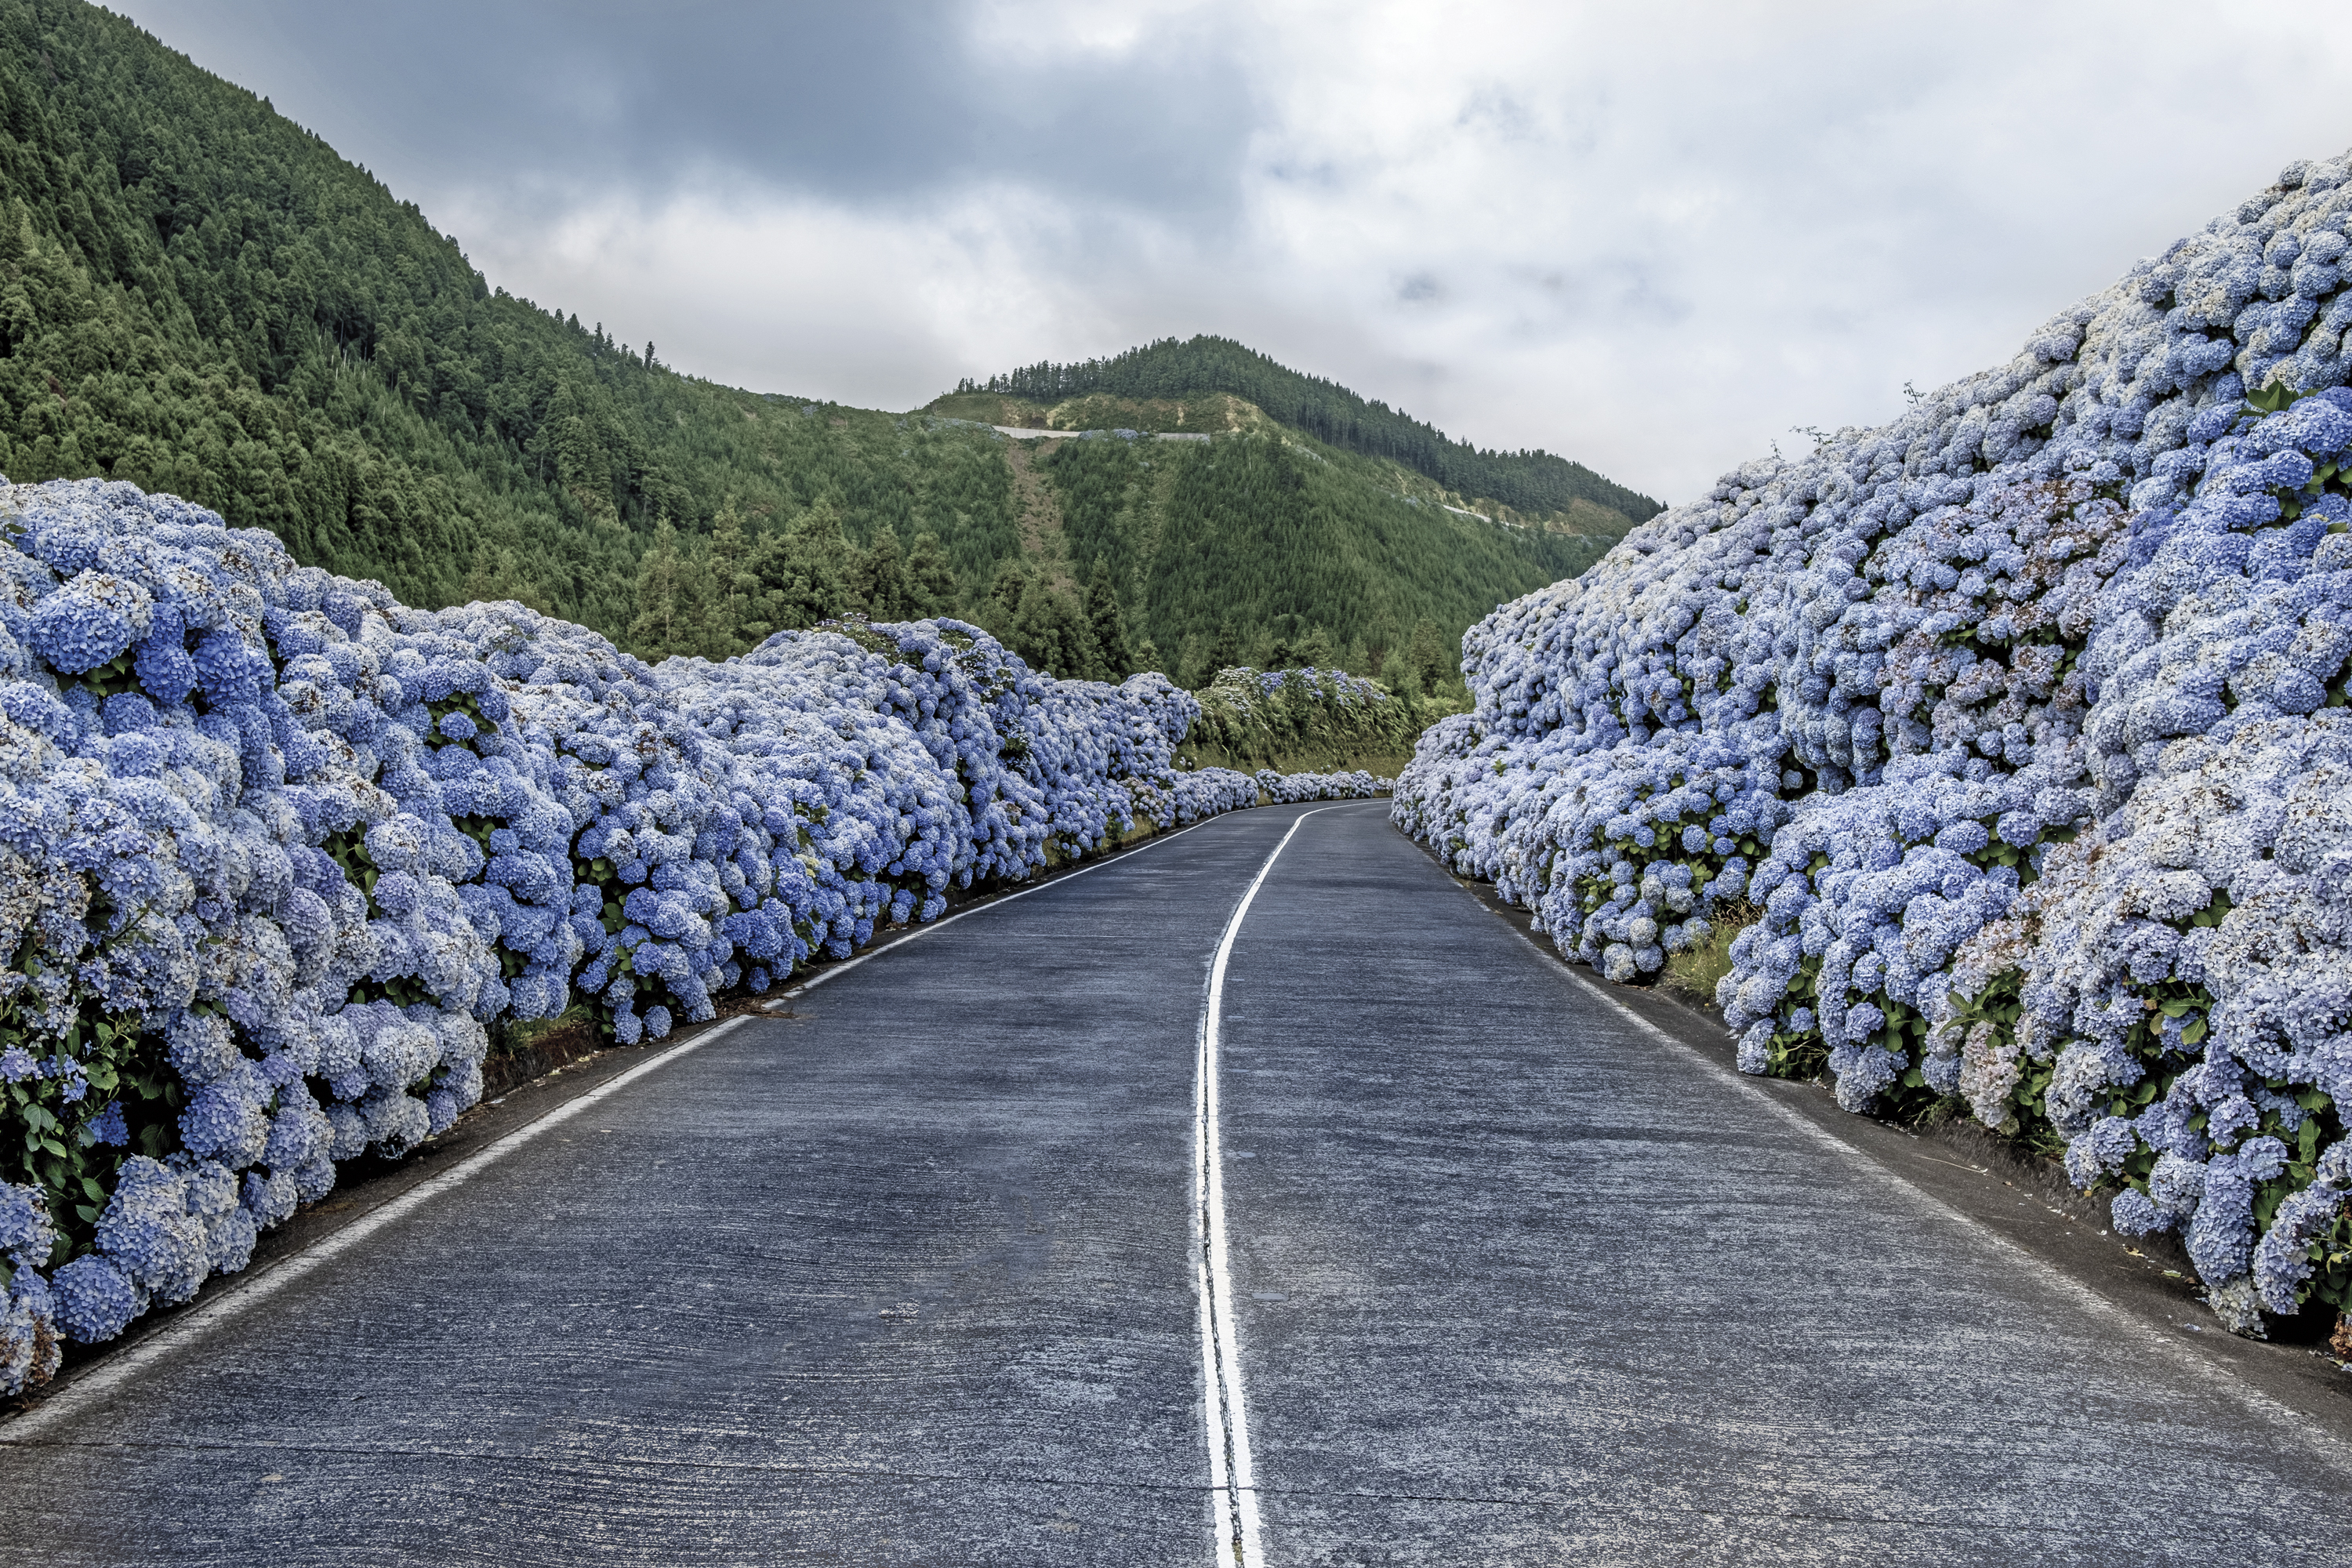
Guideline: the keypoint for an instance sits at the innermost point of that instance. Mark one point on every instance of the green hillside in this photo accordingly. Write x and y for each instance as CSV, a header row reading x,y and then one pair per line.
x,y
199,296
1170,370
1272,547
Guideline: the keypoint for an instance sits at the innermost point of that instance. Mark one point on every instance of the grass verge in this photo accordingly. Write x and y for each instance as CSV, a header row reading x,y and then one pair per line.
x,y
1692,974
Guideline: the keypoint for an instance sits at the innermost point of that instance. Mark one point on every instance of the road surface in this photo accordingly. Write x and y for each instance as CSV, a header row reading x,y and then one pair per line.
x,y
964,1263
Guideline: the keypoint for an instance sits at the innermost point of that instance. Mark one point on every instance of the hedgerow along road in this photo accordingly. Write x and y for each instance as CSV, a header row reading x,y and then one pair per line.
x,y
1253,1197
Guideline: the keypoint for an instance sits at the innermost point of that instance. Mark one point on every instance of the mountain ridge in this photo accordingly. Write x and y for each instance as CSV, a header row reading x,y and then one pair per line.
x,y
1171,368
200,297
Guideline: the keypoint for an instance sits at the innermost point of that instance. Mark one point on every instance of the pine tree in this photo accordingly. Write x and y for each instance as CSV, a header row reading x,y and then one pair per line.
x,y
1315,651
1003,602
734,617
574,438
1024,629
1426,658
1192,654
1051,634
1108,624
880,578
1224,652
802,572
930,577
494,574
656,629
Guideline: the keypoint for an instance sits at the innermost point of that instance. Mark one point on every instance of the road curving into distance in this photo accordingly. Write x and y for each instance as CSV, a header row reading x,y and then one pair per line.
x,y
1446,1260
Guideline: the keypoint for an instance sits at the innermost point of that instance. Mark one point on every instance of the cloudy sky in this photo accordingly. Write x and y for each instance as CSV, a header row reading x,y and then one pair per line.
x,y
1652,237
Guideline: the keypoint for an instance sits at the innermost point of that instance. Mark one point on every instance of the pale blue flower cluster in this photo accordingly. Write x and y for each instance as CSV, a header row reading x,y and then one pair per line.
x,y
1334,685
1188,798
30,1351
304,843
1286,789
2035,695
2185,966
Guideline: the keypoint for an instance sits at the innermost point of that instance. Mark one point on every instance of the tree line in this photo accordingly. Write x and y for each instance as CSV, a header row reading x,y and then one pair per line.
x,y
198,295
1534,481
1262,549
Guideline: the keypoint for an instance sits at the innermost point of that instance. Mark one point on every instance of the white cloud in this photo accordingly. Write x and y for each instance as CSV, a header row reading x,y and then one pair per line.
x,y
874,308
1659,236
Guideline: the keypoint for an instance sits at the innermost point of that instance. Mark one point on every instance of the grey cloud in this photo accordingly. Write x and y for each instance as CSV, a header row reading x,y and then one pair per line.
x,y
1519,222
874,102
1498,113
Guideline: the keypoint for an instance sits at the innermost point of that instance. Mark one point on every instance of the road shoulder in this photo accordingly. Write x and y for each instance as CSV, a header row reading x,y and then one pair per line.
x,y
2024,1204
365,1185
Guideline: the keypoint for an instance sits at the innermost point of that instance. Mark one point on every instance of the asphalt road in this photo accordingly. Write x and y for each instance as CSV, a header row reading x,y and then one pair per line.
x,y
913,1277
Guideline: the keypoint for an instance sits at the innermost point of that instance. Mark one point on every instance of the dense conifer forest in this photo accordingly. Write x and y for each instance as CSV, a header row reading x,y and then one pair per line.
x,y
198,295
1272,550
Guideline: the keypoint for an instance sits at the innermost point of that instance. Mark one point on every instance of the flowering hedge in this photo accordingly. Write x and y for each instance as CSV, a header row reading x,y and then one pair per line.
x,y
1249,713
2013,735
274,849
1284,789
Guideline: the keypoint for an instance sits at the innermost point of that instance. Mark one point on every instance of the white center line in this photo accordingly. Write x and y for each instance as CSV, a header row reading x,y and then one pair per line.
x,y
1232,1481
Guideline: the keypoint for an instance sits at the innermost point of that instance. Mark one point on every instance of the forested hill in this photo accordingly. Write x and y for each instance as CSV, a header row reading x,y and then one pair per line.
x,y
1174,369
199,296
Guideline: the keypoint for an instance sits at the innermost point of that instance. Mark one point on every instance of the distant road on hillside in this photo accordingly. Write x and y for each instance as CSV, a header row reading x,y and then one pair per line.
x,y
1023,433
1443,1259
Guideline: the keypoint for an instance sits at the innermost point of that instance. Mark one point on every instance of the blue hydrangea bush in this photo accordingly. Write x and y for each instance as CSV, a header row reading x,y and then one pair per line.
x,y
2011,740
275,850
1290,788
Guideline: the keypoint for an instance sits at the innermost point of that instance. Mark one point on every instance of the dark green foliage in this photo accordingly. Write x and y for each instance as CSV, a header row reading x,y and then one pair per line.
x,y
666,609
880,581
1050,631
1266,537
1302,726
1223,651
200,297
1003,601
67,1150
721,596
1108,623
1424,658
1531,481
803,574
931,579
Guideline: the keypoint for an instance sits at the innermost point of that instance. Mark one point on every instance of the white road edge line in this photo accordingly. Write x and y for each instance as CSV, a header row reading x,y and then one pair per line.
x,y
251,1290
112,1372
1232,1476
2265,1407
